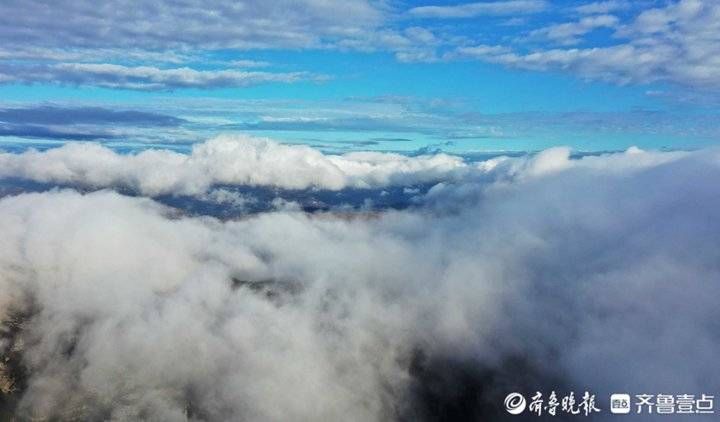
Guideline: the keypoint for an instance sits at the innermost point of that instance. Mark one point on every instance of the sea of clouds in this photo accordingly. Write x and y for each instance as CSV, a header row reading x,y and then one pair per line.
x,y
526,274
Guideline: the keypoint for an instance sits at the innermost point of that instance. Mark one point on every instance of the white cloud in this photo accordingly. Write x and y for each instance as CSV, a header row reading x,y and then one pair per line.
x,y
249,63
478,51
603,7
469,10
169,24
569,33
679,43
146,78
236,160
676,43
133,312
83,43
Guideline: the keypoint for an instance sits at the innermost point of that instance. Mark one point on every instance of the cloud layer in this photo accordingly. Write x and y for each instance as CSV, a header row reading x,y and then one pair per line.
x,y
570,268
240,160
677,43
81,44
228,160
171,23
78,123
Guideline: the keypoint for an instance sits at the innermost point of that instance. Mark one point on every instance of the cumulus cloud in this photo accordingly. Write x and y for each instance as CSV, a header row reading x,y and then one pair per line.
x,y
561,275
240,160
677,43
230,160
79,44
168,44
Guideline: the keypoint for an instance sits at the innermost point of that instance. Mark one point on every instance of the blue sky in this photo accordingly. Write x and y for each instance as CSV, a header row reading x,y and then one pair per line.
x,y
363,74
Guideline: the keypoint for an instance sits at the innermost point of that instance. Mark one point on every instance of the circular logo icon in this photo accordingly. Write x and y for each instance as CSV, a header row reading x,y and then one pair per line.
x,y
515,403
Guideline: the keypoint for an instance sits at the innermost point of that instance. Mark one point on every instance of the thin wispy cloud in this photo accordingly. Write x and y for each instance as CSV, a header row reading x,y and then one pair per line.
x,y
603,7
53,114
469,10
571,32
81,123
145,78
